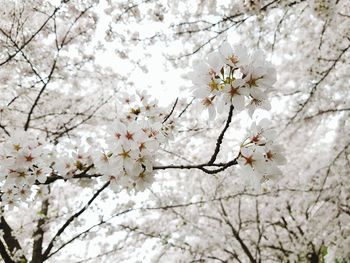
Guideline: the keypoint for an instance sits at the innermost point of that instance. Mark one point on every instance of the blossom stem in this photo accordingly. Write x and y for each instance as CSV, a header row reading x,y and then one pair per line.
x,y
221,136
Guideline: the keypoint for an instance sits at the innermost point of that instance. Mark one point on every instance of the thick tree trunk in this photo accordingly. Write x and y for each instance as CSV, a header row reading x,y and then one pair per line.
x,y
11,243
37,256
314,258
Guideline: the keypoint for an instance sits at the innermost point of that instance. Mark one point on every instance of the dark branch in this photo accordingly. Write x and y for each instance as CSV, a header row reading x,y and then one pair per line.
x,y
171,112
202,167
88,230
31,38
38,235
70,220
315,86
11,242
26,125
221,136
237,236
3,252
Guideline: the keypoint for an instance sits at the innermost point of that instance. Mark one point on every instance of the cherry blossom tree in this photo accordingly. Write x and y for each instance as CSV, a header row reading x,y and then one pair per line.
x,y
249,162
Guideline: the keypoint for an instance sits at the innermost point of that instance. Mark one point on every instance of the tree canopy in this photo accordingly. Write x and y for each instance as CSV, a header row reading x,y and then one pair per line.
x,y
175,131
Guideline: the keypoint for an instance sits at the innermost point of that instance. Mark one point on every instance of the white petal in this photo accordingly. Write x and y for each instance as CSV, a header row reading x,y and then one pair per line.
x,y
215,62
225,50
201,92
238,102
211,112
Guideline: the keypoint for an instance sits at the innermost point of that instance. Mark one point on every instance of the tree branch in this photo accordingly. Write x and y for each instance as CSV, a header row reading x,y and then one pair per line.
x,y
70,220
11,242
3,252
171,112
31,38
237,236
315,86
221,136
38,235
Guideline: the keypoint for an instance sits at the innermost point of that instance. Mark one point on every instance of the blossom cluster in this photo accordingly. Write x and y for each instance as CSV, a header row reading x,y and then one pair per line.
x,y
23,161
74,160
233,77
128,153
128,162
139,106
133,142
259,156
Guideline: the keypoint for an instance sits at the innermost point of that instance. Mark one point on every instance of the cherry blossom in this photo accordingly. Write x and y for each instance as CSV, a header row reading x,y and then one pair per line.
x,y
24,161
230,76
259,156
90,160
